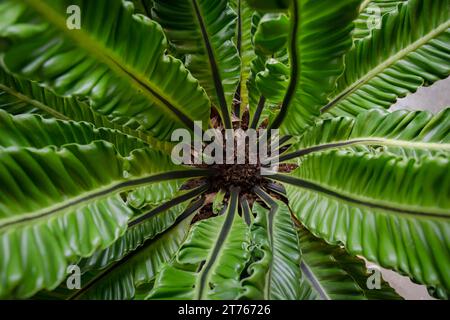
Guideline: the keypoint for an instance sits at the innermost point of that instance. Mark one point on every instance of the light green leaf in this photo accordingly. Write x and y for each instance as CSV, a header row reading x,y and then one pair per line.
x,y
218,203
328,272
319,37
394,211
19,96
370,15
272,83
405,133
137,268
256,103
244,44
203,30
144,225
60,204
34,131
102,62
409,51
272,34
267,77
209,264
275,269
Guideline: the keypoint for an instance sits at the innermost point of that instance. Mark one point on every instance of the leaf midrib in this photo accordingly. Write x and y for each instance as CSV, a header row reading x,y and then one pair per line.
x,y
295,62
313,281
270,218
386,64
367,141
33,102
213,65
361,200
218,244
169,204
188,212
141,135
104,54
273,210
103,192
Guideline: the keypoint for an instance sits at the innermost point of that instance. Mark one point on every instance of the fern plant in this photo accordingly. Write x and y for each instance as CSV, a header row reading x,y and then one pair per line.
x,y
87,181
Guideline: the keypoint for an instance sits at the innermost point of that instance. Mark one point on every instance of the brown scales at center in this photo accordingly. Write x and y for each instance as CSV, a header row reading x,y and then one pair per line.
x,y
245,176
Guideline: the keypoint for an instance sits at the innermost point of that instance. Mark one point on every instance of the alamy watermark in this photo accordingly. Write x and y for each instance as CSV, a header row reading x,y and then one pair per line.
x,y
374,280
374,19
73,21
73,281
